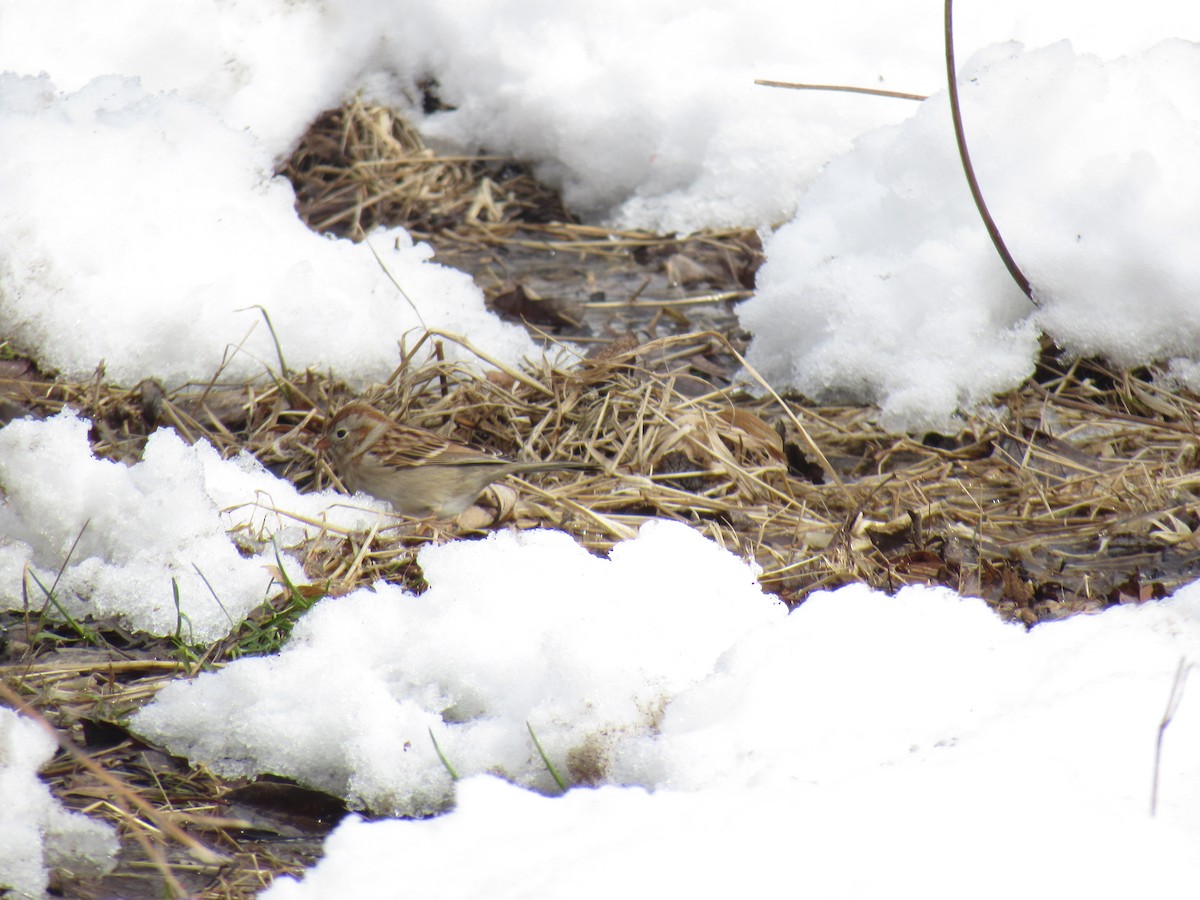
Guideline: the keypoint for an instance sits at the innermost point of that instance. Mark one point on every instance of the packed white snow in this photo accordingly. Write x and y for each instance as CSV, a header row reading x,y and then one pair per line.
x,y
186,240
523,630
38,834
886,289
880,841
860,720
645,112
126,538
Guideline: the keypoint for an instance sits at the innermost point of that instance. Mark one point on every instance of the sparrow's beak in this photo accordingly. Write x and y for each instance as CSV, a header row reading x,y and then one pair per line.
x,y
323,443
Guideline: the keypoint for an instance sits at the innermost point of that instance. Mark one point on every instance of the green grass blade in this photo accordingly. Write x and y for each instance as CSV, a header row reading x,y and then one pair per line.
x,y
558,779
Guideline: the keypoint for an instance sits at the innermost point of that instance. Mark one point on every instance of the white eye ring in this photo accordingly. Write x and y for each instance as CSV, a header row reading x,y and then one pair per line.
x,y
340,433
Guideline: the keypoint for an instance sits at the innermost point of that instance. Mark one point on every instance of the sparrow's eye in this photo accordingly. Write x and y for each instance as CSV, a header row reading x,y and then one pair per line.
x,y
340,433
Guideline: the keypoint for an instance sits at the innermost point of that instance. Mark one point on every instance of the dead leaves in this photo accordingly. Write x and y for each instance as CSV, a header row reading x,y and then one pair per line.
x,y
724,442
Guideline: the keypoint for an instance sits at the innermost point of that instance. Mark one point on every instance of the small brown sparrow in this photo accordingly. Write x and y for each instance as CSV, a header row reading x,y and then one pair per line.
x,y
420,473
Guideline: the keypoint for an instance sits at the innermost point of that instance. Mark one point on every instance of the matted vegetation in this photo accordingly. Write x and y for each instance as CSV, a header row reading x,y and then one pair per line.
x,y
1075,492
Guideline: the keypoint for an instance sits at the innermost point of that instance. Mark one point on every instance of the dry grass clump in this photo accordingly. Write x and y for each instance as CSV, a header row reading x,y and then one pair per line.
x,y
1077,492
363,165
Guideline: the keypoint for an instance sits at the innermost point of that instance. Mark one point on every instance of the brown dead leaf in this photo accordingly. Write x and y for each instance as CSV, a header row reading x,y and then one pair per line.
x,y
520,303
605,359
618,347
723,440
752,433
1135,590
920,567
501,379
682,271
1017,588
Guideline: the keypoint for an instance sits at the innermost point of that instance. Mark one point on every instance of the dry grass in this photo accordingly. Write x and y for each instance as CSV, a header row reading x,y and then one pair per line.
x,y
362,166
1049,504
1079,490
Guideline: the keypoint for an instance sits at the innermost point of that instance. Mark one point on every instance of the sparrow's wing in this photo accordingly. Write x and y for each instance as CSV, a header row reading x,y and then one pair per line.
x,y
410,446
420,447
